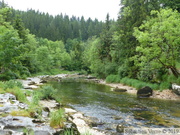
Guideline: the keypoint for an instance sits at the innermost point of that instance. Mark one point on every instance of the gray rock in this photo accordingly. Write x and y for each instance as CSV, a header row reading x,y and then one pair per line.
x,y
176,89
6,132
42,133
19,122
32,83
7,108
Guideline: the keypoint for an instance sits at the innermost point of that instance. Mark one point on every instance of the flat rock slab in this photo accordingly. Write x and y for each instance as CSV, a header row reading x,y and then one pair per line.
x,y
13,123
51,104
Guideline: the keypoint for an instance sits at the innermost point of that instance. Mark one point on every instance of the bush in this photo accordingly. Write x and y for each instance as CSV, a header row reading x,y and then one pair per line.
x,y
112,79
8,75
57,118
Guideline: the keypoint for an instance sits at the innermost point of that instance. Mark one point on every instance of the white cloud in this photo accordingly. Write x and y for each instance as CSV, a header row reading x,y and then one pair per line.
x,y
87,8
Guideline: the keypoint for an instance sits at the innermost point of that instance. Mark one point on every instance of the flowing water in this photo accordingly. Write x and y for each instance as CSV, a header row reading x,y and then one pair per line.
x,y
108,108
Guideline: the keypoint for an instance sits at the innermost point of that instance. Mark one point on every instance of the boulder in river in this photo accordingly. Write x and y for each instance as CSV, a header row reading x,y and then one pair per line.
x,y
144,92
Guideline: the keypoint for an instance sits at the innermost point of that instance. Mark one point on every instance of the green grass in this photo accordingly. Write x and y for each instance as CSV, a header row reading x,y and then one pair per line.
x,y
87,133
113,79
20,95
138,84
57,118
23,113
68,132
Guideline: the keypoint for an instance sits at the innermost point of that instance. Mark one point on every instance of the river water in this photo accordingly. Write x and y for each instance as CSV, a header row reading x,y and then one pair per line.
x,y
108,108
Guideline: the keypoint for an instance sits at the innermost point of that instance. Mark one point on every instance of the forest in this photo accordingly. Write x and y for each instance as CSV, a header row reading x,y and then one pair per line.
x,y
141,46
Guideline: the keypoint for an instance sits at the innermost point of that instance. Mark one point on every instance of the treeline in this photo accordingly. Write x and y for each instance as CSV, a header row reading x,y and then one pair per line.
x,y
59,27
142,44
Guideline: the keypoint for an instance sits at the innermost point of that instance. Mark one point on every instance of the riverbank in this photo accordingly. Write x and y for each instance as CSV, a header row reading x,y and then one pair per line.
x,y
158,94
164,94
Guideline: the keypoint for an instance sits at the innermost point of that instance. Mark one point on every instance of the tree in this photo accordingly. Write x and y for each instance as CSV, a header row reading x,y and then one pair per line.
x,y
159,40
19,26
132,14
106,41
10,49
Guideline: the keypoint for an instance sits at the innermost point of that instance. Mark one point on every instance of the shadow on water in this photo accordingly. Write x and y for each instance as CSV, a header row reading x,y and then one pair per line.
x,y
111,108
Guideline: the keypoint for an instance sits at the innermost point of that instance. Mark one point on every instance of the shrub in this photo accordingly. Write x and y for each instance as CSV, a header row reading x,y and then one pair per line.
x,y
57,118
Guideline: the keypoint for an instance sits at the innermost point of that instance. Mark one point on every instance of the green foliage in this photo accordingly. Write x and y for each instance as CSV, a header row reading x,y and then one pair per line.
x,y
159,40
112,79
165,85
11,84
57,119
60,27
13,87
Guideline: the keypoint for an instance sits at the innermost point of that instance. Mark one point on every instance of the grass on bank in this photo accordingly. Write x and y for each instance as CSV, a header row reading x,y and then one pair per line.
x,y
57,118
169,79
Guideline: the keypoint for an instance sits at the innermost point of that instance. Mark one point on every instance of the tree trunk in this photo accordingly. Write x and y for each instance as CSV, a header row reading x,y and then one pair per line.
x,y
175,72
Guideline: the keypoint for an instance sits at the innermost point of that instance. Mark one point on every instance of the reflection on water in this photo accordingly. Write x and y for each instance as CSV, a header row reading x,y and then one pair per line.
x,y
111,108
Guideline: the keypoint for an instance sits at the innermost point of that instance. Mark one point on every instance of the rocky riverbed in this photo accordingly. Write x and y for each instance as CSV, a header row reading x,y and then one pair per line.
x,y
17,124
12,121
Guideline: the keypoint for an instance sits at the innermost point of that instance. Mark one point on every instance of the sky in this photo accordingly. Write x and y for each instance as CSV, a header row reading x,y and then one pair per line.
x,y
87,8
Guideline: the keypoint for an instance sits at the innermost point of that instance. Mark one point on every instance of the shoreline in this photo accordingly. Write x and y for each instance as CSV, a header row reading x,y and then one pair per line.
x,y
166,94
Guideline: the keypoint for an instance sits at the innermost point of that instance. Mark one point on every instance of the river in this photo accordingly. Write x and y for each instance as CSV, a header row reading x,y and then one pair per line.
x,y
109,108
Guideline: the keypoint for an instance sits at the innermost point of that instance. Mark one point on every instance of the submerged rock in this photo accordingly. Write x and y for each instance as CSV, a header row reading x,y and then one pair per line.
x,y
118,89
120,128
144,92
